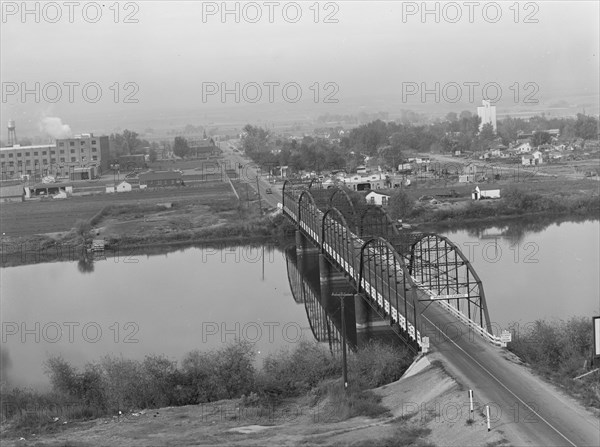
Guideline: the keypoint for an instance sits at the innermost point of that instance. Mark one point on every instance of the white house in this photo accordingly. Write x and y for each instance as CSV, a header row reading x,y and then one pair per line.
x,y
377,198
478,194
363,182
534,158
523,148
123,187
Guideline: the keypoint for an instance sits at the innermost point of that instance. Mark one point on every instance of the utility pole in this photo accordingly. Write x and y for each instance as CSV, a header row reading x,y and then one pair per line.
x,y
341,296
258,191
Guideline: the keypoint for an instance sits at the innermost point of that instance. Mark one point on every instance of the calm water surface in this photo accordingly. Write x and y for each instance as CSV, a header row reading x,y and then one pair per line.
x,y
202,298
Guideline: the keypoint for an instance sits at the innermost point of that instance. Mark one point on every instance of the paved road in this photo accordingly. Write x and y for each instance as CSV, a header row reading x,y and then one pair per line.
x,y
249,174
524,405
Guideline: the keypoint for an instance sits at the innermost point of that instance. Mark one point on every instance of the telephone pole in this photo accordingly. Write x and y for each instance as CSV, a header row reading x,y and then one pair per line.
x,y
341,296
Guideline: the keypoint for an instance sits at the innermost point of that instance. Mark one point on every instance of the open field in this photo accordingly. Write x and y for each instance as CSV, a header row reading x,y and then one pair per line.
x,y
52,216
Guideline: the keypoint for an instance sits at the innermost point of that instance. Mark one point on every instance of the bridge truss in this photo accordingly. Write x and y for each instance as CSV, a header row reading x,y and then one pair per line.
x,y
394,269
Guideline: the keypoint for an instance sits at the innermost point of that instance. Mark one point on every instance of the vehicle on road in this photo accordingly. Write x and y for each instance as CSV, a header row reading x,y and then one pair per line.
x,y
268,191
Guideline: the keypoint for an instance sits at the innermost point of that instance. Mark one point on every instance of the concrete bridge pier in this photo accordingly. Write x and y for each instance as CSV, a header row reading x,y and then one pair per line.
x,y
361,312
369,324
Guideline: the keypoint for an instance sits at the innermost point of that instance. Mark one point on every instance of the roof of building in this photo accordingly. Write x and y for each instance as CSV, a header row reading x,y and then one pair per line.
x,y
37,146
159,175
11,191
51,185
379,192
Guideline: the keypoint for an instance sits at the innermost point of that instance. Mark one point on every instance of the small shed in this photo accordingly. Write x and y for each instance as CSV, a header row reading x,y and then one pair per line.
x,y
479,194
377,198
123,187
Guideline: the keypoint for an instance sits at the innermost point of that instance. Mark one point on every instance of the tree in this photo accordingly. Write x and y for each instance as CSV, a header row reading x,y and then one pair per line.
x,y
180,147
400,205
82,228
452,117
487,132
152,155
540,138
132,143
586,127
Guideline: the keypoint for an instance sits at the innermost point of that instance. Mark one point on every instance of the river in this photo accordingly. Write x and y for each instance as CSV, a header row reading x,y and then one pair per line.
x,y
203,298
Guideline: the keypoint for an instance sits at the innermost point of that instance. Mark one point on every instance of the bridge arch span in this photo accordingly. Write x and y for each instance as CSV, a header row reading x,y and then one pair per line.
x,y
439,266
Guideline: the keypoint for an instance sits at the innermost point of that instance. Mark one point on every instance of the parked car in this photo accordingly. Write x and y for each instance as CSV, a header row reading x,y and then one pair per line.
x,y
268,191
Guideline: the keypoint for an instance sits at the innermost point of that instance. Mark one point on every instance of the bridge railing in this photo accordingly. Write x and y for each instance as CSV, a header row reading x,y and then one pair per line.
x,y
370,265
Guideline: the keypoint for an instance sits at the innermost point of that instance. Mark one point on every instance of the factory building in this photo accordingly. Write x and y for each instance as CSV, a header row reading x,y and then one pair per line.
x,y
61,159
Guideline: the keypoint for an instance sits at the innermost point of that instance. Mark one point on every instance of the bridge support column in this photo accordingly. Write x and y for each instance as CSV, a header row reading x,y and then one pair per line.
x,y
361,313
300,242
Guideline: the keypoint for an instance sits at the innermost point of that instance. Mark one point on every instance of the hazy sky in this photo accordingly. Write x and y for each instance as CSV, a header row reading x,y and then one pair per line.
x,y
374,52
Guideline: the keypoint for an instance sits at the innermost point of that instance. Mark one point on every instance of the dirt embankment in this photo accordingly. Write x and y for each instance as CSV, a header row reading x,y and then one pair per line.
x,y
426,407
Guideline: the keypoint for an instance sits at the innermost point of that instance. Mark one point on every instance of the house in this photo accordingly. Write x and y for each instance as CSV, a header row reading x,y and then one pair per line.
x,y
365,182
534,158
466,178
479,194
15,193
523,148
471,169
123,187
155,179
378,198
50,189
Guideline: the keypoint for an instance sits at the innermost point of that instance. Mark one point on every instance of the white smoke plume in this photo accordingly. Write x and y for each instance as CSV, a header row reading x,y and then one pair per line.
x,y
54,127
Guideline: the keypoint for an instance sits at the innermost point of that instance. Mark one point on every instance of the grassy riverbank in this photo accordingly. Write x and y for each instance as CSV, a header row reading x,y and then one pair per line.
x,y
115,386
515,203
560,351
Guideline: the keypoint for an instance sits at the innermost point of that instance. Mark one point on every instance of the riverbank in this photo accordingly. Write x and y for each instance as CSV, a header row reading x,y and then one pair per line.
x,y
402,412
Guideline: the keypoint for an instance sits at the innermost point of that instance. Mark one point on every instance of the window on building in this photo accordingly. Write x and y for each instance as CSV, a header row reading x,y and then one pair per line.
x,y
71,143
61,144
27,162
62,151
10,155
19,154
35,154
384,201
73,158
27,154
53,160
82,142
62,159
44,153
72,151
93,141
94,149
1,155
94,157
52,152
11,163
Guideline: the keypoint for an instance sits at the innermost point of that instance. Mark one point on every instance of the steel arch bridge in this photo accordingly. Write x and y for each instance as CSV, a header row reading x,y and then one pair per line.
x,y
394,270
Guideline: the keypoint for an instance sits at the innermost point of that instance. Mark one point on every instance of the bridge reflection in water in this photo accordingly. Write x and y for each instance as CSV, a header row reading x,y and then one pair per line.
x,y
313,283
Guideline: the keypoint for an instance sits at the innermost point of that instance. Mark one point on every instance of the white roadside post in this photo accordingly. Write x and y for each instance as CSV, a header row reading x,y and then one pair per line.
x,y
471,401
425,345
487,410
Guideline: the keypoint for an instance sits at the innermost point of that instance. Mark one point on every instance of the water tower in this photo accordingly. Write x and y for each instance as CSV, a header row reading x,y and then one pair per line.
x,y
12,133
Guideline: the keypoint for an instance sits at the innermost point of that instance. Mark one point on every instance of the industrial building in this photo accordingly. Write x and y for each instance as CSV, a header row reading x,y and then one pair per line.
x,y
62,158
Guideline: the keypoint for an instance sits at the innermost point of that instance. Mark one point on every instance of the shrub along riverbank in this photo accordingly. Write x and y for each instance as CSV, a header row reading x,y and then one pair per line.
x,y
113,384
560,351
